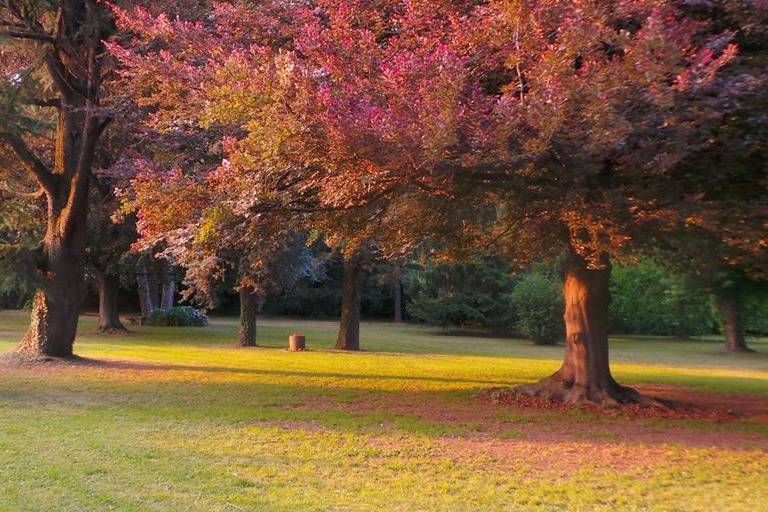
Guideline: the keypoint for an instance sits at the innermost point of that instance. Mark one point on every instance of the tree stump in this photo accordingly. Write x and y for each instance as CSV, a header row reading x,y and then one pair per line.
x,y
297,342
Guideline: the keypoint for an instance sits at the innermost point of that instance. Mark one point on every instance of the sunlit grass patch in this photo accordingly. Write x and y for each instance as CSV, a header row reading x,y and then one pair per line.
x,y
179,419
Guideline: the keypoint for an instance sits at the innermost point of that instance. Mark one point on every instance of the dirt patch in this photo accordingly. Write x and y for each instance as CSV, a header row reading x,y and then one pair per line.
x,y
684,404
557,439
699,420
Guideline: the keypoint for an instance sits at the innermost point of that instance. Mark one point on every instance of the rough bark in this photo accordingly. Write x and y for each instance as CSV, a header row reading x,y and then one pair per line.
x,y
585,374
398,301
349,326
249,308
733,328
56,303
146,304
55,312
109,305
72,55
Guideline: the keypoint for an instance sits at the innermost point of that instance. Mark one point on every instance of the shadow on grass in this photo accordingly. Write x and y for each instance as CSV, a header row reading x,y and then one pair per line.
x,y
142,366
434,414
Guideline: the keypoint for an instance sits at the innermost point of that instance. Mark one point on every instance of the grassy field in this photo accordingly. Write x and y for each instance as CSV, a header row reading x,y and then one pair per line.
x,y
179,419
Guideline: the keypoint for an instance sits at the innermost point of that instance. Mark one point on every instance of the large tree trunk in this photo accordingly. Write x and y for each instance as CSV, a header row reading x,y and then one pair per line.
x,y
146,303
733,329
249,308
109,310
397,290
349,327
55,308
73,61
585,375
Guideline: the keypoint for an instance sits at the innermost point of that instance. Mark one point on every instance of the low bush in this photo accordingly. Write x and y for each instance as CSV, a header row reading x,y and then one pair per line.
x,y
181,316
538,303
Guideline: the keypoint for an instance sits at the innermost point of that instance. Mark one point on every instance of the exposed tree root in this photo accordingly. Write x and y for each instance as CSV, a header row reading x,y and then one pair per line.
x,y
611,394
26,358
739,350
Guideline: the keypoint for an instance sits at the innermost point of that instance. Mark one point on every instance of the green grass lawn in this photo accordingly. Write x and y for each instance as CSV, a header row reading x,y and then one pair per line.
x,y
179,419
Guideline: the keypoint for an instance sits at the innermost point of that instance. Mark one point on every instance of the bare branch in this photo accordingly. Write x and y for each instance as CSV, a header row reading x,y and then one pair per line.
x,y
103,124
35,196
44,103
24,34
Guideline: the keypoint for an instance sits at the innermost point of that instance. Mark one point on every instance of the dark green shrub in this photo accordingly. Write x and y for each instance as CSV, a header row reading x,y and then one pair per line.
x,y
454,310
756,315
466,294
649,299
180,316
537,300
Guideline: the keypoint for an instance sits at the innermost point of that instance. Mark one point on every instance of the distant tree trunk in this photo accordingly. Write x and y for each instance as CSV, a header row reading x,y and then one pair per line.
x,y
349,327
109,310
154,289
585,374
681,330
249,308
168,287
145,296
733,328
397,289
169,292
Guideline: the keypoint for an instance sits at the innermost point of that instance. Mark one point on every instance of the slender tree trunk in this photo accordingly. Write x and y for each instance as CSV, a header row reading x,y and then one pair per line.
x,y
398,300
733,329
349,327
109,310
168,287
585,374
154,290
249,308
145,296
681,330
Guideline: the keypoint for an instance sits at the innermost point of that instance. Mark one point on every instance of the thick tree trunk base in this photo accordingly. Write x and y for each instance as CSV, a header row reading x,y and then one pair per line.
x,y
738,350
613,394
52,330
21,358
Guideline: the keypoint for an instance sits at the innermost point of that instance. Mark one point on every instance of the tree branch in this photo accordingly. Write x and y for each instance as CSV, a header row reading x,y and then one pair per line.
x,y
58,73
37,195
44,103
31,162
103,124
24,34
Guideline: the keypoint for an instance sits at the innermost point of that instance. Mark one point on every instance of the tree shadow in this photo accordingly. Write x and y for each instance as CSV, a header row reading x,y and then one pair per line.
x,y
463,415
